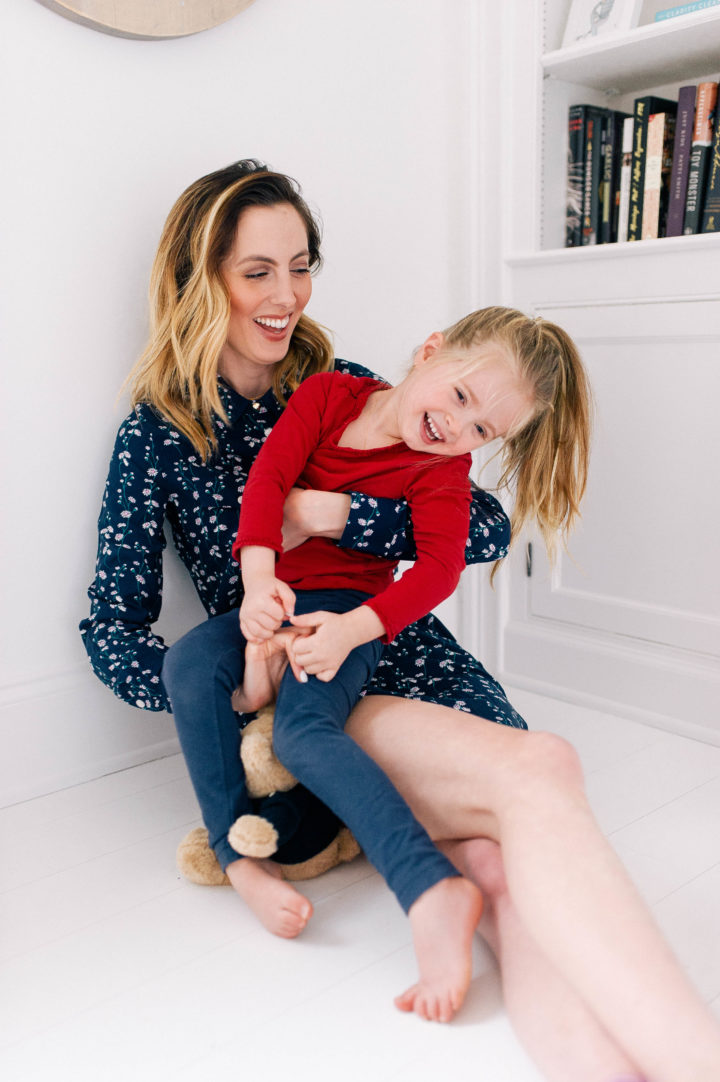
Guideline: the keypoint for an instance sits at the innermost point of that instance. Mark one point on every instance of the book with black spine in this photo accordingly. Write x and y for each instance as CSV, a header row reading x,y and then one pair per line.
x,y
700,155
612,162
644,108
681,160
577,134
594,125
711,203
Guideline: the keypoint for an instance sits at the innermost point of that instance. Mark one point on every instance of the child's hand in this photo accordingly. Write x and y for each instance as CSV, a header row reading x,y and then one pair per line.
x,y
322,651
267,602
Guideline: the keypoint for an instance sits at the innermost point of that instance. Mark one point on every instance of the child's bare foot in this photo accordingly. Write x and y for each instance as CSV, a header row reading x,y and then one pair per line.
x,y
283,910
443,921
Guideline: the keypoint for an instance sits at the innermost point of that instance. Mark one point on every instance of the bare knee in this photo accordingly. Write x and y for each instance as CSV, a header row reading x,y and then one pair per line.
x,y
547,761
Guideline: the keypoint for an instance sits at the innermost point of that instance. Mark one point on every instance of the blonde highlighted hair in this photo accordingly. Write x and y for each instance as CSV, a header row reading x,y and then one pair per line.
x,y
546,459
190,308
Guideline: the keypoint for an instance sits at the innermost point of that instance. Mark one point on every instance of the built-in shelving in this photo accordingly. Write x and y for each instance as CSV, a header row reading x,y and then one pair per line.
x,y
682,48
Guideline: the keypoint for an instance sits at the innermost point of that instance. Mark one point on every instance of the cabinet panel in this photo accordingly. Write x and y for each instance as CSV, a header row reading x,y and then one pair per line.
x,y
644,561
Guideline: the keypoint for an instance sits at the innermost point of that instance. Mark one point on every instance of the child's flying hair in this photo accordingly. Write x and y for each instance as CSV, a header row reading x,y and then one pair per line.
x,y
546,459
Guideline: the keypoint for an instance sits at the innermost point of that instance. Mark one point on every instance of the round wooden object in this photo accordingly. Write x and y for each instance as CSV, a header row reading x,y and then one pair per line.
x,y
156,19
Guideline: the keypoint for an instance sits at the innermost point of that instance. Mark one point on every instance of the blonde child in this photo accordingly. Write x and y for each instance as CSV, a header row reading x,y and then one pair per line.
x,y
492,376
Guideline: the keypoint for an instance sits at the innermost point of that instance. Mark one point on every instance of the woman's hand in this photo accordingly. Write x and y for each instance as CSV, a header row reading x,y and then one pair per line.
x,y
311,513
267,602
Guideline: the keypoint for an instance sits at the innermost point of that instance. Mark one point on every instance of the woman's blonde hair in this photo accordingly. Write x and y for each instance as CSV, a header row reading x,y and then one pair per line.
x,y
190,307
546,459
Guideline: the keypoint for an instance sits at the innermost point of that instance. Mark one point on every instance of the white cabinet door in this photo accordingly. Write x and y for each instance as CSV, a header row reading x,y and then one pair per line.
x,y
632,615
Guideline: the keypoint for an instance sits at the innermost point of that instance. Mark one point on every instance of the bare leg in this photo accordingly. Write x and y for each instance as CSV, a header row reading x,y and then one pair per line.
x,y
265,663
467,778
557,1029
283,910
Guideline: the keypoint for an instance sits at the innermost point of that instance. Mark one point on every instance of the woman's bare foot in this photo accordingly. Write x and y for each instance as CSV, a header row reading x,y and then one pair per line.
x,y
283,910
443,921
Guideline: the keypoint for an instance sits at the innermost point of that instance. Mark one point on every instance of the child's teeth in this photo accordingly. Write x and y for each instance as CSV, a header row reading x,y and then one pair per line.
x,y
433,431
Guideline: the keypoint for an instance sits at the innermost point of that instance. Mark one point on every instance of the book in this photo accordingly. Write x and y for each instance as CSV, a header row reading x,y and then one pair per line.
x,y
699,155
575,175
711,204
625,174
578,118
658,166
594,127
684,9
610,187
643,109
681,160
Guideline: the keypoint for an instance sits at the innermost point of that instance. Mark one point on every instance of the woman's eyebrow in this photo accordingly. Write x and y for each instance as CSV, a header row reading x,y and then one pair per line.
x,y
269,259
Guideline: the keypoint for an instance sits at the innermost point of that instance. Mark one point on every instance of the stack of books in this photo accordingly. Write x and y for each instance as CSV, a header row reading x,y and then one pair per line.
x,y
655,173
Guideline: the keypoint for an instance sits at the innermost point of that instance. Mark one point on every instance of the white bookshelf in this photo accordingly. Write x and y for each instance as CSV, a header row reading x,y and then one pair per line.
x,y
630,620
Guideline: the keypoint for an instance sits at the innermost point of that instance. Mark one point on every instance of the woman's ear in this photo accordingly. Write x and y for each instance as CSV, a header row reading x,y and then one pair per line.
x,y
429,347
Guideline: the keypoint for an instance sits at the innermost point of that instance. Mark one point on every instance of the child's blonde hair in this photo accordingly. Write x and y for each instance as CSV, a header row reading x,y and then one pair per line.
x,y
546,459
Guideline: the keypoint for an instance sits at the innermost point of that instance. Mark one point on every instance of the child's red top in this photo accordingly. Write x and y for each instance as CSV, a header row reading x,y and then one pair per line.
x,y
302,451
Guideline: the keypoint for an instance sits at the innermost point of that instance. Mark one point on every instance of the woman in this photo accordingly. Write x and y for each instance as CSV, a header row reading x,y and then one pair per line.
x,y
573,939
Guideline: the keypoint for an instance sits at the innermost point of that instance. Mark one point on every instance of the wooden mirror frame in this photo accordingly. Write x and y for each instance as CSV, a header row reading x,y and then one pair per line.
x,y
140,19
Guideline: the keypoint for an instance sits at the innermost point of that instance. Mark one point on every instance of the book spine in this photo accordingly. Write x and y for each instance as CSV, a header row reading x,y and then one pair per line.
x,y
699,156
653,176
625,174
596,175
612,148
684,9
681,160
637,176
588,234
711,209
575,176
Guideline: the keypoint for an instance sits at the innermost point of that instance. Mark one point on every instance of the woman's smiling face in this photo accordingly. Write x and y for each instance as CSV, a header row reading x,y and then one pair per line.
x,y
267,274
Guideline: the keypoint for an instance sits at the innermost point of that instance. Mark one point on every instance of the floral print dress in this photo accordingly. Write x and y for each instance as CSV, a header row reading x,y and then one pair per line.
x,y
156,476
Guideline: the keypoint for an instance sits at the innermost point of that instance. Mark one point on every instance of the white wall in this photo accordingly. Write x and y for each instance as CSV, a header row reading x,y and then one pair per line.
x,y
372,106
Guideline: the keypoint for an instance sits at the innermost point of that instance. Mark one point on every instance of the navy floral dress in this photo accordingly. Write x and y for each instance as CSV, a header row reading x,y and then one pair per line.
x,y
156,475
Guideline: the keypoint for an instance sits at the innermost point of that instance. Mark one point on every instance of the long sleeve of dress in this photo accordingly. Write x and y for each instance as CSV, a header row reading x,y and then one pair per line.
x,y
127,590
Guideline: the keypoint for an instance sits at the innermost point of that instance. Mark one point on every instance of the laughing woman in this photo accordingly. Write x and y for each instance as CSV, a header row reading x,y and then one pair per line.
x,y
593,991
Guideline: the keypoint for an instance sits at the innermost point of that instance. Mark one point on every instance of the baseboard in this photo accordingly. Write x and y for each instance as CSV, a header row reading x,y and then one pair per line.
x,y
68,729
608,706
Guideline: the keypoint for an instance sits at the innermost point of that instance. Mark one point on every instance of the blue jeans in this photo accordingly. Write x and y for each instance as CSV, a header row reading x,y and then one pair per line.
x,y
200,673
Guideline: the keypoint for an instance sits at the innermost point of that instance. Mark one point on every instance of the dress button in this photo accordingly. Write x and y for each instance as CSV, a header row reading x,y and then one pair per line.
x,y
256,405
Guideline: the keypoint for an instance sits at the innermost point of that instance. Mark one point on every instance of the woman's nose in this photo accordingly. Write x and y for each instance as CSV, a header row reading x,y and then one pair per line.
x,y
283,293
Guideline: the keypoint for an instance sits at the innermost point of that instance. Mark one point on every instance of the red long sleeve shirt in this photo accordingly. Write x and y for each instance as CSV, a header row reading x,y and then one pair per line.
x,y
302,450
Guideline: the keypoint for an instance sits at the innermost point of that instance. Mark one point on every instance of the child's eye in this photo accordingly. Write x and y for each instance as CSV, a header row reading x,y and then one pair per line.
x,y
480,431
461,396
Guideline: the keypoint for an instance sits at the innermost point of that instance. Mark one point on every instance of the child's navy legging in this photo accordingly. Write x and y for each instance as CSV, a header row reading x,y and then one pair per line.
x,y
310,740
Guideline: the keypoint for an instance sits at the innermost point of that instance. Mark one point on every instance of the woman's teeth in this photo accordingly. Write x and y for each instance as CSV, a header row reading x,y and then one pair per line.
x,y
430,428
274,324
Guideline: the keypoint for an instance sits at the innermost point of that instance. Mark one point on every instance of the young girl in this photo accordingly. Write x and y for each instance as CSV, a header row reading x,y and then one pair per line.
x,y
340,432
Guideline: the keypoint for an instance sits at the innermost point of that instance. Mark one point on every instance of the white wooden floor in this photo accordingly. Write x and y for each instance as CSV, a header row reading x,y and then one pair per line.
x,y
112,967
